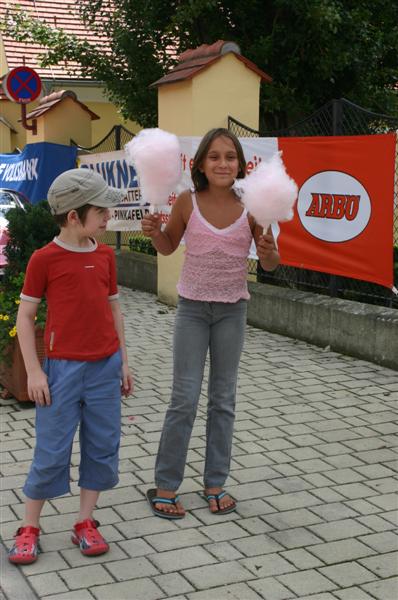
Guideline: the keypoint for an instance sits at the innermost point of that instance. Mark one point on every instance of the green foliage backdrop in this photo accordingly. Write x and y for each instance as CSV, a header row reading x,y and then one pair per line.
x,y
315,50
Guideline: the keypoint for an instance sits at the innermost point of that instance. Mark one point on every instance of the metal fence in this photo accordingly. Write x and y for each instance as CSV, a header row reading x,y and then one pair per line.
x,y
337,117
115,139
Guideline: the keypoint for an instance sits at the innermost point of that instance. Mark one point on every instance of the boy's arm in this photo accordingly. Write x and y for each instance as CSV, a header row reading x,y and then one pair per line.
x,y
167,241
127,379
38,390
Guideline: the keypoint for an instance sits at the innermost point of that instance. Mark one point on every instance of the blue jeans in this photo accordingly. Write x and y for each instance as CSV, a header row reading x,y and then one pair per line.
x,y
85,394
199,327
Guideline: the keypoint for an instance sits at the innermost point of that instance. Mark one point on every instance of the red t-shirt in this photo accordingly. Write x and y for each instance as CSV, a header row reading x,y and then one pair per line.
x,y
78,284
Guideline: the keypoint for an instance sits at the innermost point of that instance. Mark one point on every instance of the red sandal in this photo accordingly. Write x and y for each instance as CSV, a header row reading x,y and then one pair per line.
x,y
26,546
88,538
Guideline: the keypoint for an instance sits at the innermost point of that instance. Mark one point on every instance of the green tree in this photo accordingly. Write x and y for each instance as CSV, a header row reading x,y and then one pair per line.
x,y
315,50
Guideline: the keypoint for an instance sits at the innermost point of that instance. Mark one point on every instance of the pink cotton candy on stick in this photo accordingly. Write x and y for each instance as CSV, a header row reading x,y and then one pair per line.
x,y
268,193
156,156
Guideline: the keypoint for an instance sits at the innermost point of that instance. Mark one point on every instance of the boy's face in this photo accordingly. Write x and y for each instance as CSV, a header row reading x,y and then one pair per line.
x,y
95,221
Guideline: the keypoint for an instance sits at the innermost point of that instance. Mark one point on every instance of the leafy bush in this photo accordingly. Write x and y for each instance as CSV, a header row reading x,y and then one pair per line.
x,y
142,244
28,230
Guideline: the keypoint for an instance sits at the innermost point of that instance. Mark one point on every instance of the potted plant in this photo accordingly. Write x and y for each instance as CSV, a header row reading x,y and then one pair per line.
x,y
12,369
28,229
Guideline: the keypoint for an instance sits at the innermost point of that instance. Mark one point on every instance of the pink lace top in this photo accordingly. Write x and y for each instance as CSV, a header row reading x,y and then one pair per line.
x,y
215,265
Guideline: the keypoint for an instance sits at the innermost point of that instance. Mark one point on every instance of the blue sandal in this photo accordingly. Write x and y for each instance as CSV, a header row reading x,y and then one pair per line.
x,y
217,498
153,499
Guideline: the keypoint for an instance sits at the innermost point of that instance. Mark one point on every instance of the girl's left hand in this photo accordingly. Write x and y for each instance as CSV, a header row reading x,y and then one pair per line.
x,y
127,381
265,246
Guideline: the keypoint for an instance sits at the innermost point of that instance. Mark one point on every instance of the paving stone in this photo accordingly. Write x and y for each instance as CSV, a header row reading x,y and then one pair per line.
x,y
223,551
384,565
179,539
362,506
77,595
291,518
238,591
250,508
385,502
132,568
293,500
333,511
178,560
143,588
223,531
384,589
353,593
307,582
256,544
216,575
337,530
45,582
270,589
355,490
268,564
144,527
348,574
296,538
376,523
173,584
85,577
381,542
301,558
341,551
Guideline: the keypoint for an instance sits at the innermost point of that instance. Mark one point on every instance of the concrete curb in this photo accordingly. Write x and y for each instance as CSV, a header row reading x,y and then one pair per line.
x,y
362,330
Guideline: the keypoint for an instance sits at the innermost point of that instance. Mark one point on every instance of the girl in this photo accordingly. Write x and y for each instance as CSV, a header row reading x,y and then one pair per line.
x,y
211,316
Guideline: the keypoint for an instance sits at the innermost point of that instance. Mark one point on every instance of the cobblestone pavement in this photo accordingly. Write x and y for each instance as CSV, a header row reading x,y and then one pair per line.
x,y
314,471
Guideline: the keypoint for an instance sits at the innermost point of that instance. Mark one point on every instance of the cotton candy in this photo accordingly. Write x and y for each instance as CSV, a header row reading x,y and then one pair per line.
x,y
268,192
156,156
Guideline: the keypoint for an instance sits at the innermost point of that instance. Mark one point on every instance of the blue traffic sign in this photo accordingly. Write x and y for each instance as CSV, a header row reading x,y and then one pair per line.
x,y
22,85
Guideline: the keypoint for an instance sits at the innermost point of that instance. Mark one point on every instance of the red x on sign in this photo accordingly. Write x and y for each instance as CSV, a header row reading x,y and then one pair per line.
x,y
22,85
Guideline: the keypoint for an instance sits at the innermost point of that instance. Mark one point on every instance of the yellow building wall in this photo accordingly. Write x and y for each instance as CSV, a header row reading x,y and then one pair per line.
x,y
12,112
175,107
226,88
94,98
3,60
5,138
194,106
66,121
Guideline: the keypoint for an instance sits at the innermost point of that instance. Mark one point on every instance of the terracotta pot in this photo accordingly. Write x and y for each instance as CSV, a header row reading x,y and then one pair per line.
x,y
13,376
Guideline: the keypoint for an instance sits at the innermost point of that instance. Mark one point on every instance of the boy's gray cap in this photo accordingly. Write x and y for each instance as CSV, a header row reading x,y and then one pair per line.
x,y
76,187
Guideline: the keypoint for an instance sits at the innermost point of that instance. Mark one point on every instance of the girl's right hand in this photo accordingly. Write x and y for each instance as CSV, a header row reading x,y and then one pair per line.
x,y
151,225
38,390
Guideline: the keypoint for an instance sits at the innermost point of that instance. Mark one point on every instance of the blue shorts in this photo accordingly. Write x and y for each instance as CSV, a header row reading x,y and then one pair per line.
x,y
86,394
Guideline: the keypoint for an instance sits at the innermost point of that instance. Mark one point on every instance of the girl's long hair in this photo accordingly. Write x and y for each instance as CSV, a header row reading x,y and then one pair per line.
x,y
199,179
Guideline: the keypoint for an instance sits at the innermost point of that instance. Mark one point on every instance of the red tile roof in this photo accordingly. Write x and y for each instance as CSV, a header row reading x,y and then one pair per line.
x,y
48,102
193,61
62,14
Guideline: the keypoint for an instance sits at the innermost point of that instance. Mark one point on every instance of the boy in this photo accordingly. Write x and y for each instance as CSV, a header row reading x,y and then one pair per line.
x,y
86,360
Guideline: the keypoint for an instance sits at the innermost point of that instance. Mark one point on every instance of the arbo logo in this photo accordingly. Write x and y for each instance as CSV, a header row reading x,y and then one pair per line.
x,y
333,206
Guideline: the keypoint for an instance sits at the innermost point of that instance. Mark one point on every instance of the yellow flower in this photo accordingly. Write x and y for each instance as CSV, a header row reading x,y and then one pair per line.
x,y
1,317
13,332
17,302
6,318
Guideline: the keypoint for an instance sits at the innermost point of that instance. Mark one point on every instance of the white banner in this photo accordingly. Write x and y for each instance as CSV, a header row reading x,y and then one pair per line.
x,y
118,173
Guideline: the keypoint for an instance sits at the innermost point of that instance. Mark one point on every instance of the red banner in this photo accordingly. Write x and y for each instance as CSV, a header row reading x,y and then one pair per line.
x,y
343,221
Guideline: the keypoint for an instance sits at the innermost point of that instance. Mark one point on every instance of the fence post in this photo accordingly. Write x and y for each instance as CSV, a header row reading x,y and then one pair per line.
x,y
118,130
337,129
